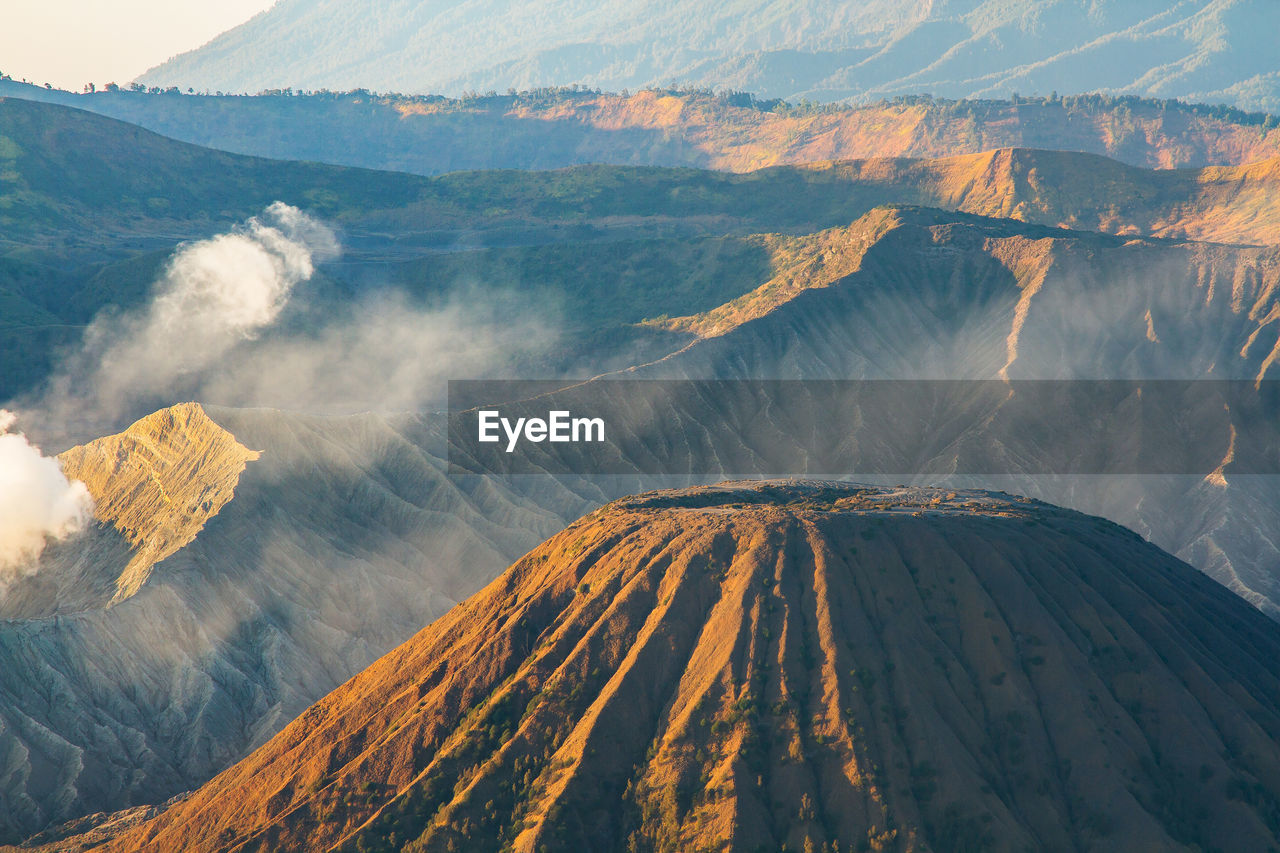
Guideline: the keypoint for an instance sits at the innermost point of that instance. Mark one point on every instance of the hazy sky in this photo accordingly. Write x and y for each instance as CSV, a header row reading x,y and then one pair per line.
x,y
72,42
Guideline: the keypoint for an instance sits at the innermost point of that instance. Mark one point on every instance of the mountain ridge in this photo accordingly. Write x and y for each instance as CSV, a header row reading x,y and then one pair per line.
x,y
822,50
728,131
69,254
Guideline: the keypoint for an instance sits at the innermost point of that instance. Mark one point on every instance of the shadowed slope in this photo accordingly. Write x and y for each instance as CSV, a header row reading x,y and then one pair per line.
x,y
757,664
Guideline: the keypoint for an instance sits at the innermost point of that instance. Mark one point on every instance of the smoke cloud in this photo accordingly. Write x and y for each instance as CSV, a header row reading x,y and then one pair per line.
x,y
37,502
228,325
380,353
229,322
214,294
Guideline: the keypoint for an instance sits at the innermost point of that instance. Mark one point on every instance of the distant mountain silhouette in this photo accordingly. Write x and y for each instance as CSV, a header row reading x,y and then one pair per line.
x,y
1210,50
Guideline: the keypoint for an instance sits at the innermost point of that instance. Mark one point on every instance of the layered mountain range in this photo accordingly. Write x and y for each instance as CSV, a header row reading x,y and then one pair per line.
x,y
360,509
93,208
790,665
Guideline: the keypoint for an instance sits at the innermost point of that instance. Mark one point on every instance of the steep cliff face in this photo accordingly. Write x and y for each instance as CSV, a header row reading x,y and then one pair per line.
x,y
918,292
1219,204
1084,192
752,665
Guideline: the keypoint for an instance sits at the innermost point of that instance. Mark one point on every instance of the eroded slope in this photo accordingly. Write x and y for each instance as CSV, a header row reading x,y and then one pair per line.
x,y
947,296
759,664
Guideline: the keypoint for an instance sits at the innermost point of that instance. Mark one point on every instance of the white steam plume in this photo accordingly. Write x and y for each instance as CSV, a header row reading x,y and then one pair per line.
x,y
37,502
380,353
215,331
214,294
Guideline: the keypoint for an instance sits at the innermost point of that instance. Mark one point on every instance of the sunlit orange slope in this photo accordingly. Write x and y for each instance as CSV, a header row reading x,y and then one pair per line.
x,y
753,665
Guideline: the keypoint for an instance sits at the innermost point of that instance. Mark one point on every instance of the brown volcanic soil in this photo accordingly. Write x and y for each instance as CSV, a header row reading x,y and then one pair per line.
x,y
739,667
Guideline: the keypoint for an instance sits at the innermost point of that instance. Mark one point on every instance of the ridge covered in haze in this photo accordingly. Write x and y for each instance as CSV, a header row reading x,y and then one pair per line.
x,y
1208,50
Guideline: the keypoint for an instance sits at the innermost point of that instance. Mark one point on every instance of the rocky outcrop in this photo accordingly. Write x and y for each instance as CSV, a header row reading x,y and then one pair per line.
x,y
158,483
